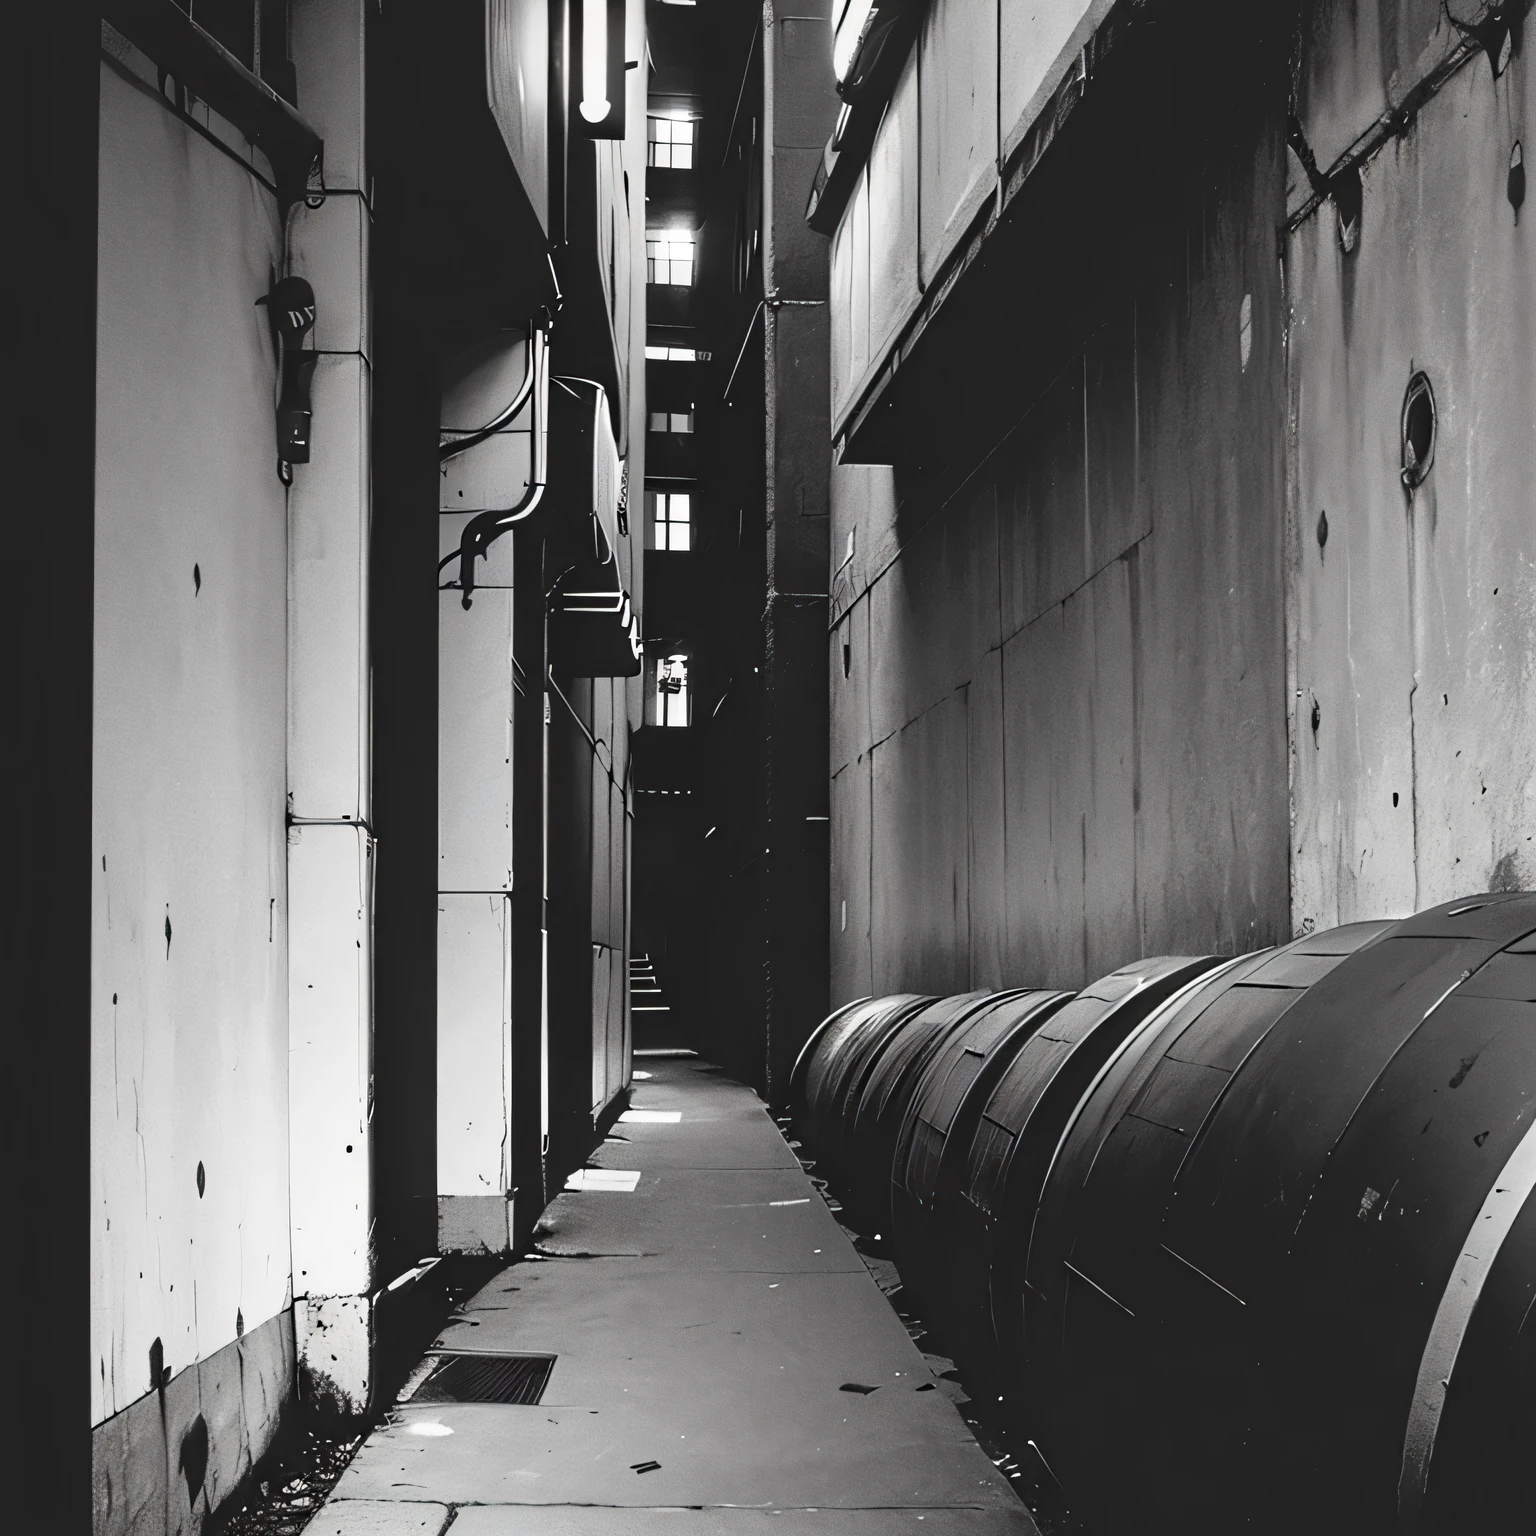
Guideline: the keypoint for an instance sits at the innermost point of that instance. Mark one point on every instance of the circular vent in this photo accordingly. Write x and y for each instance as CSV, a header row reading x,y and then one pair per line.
x,y
1418,430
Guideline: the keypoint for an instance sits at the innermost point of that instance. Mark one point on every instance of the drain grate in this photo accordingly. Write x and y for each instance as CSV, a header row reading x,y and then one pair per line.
x,y
486,1379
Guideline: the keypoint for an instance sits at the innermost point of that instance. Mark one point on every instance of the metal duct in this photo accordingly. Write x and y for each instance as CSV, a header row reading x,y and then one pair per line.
x,y
1244,1244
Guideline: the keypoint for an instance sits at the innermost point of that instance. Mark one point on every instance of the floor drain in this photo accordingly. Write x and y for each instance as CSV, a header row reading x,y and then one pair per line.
x,y
486,1379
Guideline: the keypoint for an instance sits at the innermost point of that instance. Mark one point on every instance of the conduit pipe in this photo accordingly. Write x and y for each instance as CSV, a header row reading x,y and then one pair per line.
x,y
486,527
1245,1243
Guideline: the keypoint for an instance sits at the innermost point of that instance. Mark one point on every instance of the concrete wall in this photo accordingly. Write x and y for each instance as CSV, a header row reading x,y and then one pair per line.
x,y
190,924
800,107
1073,664
1059,742
1413,618
332,856
976,80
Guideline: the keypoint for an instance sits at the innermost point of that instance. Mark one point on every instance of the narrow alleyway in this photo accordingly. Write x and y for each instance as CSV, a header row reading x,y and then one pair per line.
x,y
724,1363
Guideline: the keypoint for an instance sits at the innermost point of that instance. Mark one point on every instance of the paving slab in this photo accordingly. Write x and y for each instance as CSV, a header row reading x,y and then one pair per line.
x,y
724,1362
378,1517
504,1520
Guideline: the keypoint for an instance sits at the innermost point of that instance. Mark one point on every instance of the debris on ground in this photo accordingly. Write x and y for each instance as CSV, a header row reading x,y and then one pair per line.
x,y
284,1501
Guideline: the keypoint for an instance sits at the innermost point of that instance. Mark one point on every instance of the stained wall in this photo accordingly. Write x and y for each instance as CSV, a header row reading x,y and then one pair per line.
x,y
190,1230
1079,630
1413,616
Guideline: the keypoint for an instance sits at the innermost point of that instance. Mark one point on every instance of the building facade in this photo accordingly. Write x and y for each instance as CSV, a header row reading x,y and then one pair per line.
x,y
353,351
731,815
1182,532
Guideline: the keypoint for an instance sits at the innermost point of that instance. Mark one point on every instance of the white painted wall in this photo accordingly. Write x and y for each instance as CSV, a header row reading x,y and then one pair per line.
x,y
331,853
190,1036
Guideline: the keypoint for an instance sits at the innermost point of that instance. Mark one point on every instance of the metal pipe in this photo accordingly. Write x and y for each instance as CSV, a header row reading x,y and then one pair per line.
x,y
484,529
446,451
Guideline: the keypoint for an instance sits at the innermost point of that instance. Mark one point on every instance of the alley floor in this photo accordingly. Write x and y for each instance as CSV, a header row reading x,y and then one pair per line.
x,y
724,1363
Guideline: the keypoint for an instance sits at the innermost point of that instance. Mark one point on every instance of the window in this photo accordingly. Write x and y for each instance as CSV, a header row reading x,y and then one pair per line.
x,y
672,421
672,691
658,354
669,143
669,257
671,515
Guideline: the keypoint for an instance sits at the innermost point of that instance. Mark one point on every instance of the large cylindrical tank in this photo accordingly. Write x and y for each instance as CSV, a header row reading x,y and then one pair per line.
x,y
837,1069
1266,1231
984,1220
1244,1244
871,1125
936,1134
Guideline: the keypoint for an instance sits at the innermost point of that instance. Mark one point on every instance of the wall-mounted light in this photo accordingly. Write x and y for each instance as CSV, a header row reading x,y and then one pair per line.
x,y
290,306
597,39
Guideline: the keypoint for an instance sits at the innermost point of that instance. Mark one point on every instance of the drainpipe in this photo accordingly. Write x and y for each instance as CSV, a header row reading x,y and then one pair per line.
x,y
483,530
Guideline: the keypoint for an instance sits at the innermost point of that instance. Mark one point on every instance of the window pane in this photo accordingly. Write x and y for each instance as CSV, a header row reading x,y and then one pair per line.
x,y
678,506
682,157
678,537
682,133
658,421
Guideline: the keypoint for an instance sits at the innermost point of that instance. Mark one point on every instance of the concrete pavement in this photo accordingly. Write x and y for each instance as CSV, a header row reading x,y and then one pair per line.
x,y
714,1322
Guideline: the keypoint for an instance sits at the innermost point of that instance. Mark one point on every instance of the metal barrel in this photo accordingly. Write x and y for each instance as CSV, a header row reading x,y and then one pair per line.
x,y
818,1056
935,1135
1267,1228
873,1122
837,1071
985,1215
1242,1244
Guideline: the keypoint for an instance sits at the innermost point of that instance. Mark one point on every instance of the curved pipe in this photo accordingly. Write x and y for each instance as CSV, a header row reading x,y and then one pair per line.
x,y
446,451
484,529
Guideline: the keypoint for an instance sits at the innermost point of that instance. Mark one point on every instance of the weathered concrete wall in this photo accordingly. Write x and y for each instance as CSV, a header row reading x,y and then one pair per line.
x,y
1413,620
1059,730
976,80
189,952
1074,667
799,109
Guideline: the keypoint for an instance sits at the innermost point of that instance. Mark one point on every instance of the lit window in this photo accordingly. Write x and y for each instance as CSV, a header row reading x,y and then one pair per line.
x,y
669,258
671,514
672,691
671,421
669,143
655,354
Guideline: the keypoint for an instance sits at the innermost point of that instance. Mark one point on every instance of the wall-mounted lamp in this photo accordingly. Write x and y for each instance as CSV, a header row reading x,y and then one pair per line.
x,y
290,306
597,39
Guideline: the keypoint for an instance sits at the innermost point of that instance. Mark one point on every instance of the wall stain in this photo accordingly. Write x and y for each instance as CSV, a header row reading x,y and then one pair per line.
x,y
194,1457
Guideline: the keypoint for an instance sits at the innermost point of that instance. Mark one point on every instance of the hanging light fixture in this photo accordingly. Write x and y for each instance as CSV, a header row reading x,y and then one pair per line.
x,y
594,60
597,41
